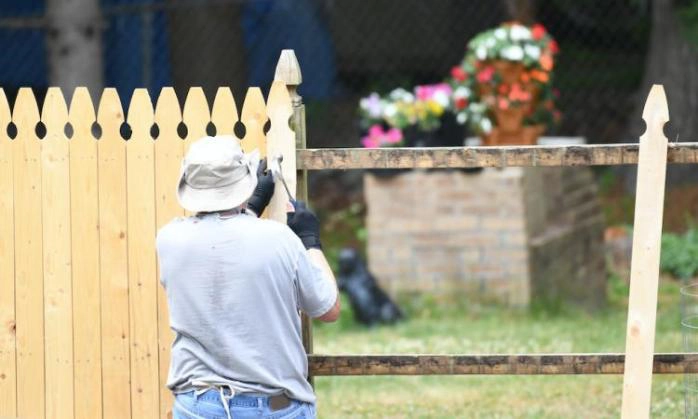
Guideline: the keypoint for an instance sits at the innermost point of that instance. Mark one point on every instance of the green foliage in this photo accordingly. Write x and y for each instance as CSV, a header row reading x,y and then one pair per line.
x,y
680,253
688,17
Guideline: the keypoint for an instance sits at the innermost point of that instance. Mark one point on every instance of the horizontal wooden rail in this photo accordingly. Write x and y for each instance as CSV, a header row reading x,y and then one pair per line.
x,y
463,157
552,364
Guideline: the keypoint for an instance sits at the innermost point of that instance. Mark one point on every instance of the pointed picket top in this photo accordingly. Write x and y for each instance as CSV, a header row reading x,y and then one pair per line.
x,y
110,114
54,114
140,114
5,114
167,114
224,114
25,114
281,140
656,111
196,114
81,115
254,116
287,69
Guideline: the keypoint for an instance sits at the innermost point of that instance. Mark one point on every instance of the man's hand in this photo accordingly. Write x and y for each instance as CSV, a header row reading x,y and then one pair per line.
x,y
305,224
263,192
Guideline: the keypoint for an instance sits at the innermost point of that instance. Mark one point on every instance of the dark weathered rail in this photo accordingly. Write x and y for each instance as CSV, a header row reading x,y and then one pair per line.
x,y
465,157
551,364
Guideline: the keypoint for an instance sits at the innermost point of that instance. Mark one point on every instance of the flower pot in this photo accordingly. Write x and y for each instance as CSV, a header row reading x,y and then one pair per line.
x,y
511,119
527,135
509,71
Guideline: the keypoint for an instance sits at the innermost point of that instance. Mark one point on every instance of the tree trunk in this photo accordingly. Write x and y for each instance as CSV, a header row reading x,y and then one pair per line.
x,y
672,61
74,44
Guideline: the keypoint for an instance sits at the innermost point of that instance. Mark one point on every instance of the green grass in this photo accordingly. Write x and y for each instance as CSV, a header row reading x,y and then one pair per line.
x,y
459,328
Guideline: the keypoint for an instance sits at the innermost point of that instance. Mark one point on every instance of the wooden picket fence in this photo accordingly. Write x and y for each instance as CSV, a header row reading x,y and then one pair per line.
x,y
83,322
85,331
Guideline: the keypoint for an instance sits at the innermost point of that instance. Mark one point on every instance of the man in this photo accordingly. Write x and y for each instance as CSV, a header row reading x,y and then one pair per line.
x,y
235,284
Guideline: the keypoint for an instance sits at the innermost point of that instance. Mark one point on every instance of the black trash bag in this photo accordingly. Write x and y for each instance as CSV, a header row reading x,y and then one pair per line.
x,y
371,305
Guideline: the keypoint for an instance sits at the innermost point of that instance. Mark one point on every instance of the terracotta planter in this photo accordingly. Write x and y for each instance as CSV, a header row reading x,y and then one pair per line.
x,y
509,71
527,135
511,119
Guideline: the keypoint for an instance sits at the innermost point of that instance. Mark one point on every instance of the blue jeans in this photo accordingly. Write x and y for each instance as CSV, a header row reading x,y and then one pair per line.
x,y
209,406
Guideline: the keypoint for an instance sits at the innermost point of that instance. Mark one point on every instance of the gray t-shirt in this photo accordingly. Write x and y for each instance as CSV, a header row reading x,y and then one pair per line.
x,y
234,287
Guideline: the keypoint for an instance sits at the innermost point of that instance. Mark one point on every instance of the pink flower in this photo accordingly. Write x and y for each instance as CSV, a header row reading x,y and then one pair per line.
x,y
428,91
377,137
485,74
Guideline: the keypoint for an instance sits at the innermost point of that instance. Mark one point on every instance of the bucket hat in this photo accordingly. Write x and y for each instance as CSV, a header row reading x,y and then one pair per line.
x,y
216,175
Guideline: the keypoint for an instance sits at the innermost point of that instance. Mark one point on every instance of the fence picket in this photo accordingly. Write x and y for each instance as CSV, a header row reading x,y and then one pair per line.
x,y
195,115
169,149
254,116
281,140
224,113
140,165
29,278
113,259
84,215
8,348
58,291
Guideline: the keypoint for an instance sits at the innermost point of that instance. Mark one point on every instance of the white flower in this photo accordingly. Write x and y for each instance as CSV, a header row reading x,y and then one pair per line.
x,y
389,111
486,125
461,118
500,33
398,94
513,53
533,51
461,92
441,98
476,107
408,97
520,33
481,53
490,42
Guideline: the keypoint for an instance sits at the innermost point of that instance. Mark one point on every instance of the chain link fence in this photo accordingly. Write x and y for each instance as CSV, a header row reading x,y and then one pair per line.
x,y
347,49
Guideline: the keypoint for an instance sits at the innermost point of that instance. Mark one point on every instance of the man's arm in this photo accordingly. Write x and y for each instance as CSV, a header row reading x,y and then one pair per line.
x,y
317,257
307,227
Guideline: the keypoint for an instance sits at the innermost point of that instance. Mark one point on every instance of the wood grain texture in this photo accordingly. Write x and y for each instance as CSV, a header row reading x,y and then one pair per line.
x,y
169,149
195,115
281,141
84,216
504,364
111,149
224,113
644,268
501,156
142,275
8,348
254,116
58,291
29,275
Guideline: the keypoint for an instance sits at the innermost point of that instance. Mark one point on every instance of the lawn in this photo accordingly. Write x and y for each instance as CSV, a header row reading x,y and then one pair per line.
x,y
460,327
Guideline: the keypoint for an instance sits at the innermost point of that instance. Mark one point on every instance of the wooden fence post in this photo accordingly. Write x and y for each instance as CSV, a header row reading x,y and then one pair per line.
x,y
289,71
644,269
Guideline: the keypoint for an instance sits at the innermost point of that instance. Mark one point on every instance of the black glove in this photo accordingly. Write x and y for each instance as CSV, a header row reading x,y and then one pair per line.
x,y
265,189
305,224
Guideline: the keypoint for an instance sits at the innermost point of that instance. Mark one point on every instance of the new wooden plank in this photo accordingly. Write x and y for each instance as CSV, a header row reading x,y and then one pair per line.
x,y
281,141
169,150
500,156
254,116
113,259
224,113
8,353
29,275
644,268
195,115
501,364
84,216
142,275
58,290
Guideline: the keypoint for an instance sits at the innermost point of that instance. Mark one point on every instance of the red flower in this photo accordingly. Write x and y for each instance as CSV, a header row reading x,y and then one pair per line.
x,y
485,74
461,103
503,104
458,73
538,31
554,48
